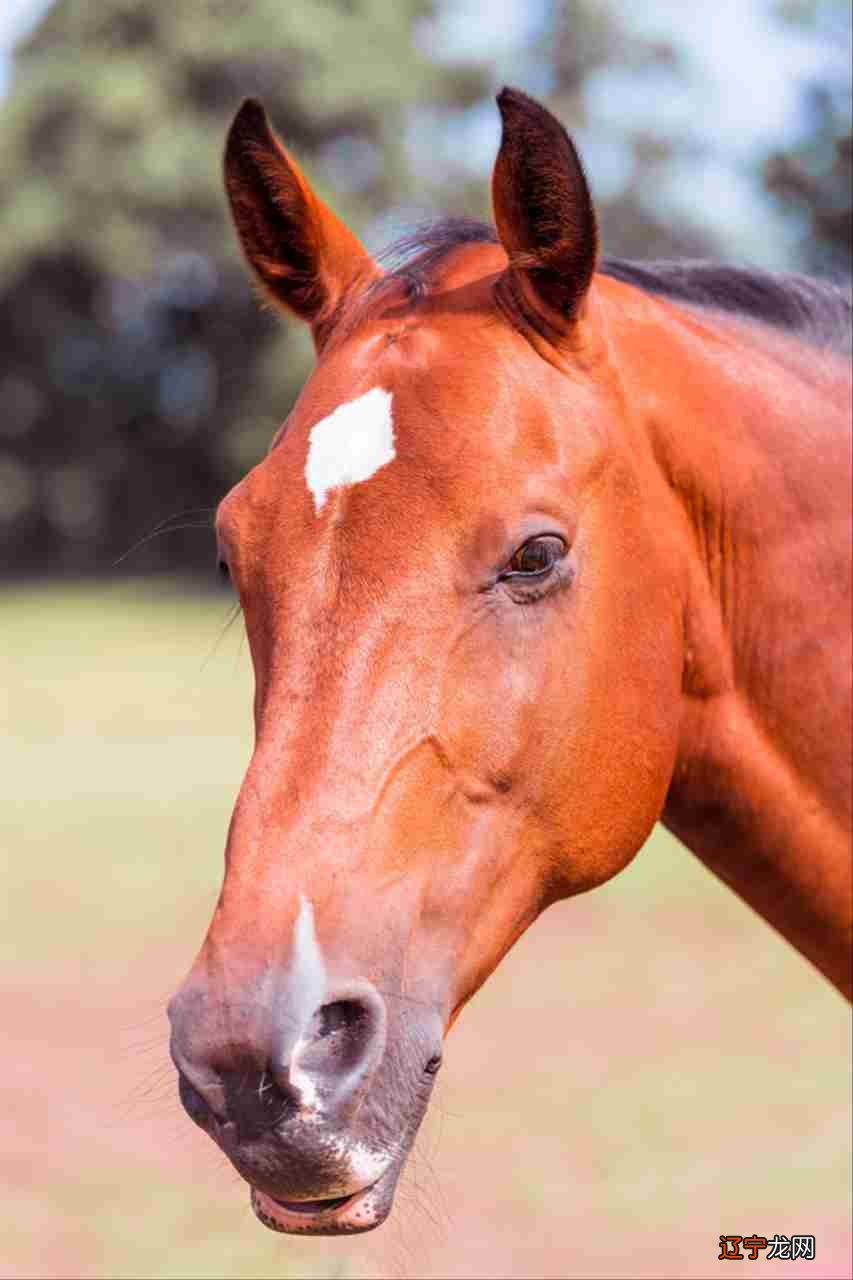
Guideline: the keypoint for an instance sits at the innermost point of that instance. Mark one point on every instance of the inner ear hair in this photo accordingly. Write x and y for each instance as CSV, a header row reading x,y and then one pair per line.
x,y
272,213
304,257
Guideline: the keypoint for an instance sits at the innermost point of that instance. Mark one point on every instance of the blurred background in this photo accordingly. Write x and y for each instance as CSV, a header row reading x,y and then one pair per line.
x,y
675,1071
139,379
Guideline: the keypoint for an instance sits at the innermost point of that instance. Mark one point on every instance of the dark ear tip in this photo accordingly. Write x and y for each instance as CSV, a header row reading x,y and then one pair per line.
x,y
521,112
511,99
249,122
251,109
524,117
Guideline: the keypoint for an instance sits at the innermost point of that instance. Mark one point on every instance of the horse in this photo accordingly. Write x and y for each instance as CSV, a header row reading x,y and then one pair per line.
x,y
551,547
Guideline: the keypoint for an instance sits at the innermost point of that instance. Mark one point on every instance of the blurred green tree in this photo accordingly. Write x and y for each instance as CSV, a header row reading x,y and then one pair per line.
x,y
814,177
629,158
139,377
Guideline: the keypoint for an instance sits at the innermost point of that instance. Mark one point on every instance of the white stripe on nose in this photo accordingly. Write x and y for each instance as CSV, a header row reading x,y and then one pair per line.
x,y
308,972
307,988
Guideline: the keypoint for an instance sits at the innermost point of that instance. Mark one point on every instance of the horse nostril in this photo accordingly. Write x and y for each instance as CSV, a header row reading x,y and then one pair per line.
x,y
195,1105
339,1015
249,1099
338,1035
239,1091
255,1102
340,1048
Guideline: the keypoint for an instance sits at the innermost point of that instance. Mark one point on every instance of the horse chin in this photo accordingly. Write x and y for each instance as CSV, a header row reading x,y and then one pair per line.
x,y
344,1215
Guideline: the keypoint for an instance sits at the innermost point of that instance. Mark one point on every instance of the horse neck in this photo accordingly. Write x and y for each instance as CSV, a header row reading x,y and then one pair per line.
x,y
750,434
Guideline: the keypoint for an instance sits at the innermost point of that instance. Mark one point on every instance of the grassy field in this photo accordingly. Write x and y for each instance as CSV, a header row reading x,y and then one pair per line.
x,y
650,1067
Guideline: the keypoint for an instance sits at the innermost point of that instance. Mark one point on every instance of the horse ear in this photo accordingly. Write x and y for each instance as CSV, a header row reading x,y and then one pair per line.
x,y
303,255
543,212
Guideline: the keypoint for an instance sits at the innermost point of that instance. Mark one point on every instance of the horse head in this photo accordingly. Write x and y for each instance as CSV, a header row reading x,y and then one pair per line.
x,y
467,648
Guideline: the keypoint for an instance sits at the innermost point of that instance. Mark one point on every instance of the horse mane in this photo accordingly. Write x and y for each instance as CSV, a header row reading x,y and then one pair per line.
x,y
818,311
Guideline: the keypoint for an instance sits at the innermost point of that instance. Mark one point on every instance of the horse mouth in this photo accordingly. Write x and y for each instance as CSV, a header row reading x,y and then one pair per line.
x,y
340,1215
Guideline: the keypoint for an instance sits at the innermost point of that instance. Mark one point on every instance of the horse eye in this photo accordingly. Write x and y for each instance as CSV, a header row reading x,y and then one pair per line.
x,y
536,557
223,570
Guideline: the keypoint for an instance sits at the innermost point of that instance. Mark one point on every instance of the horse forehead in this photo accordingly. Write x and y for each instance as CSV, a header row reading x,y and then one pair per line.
x,y
359,413
349,445
401,402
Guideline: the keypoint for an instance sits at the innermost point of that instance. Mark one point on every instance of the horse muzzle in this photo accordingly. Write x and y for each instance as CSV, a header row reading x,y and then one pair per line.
x,y
316,1112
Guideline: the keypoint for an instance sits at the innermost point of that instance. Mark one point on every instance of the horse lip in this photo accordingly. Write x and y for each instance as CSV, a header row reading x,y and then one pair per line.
x,y
314,1206
340,1215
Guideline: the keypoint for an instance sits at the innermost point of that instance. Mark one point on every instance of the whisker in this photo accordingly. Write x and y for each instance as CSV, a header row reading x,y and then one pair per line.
x,y
164,526
231,619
